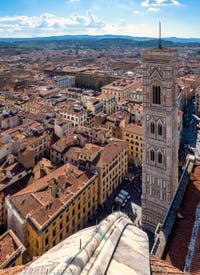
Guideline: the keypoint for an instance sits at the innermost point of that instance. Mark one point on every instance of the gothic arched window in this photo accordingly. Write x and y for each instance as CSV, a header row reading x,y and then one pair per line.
x,y
160,158
156,95
152,155
160,129
152,128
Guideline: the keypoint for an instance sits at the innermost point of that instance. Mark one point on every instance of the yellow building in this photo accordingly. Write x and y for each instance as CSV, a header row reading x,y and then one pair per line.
x,y
133,134
52,208
112,167
120,89
12,250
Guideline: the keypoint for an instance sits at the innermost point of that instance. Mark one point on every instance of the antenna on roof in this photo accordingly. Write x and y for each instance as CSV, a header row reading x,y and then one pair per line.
x,y
159,41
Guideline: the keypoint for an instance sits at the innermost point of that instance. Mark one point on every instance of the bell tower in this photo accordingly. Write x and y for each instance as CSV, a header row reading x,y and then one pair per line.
x,y
160,143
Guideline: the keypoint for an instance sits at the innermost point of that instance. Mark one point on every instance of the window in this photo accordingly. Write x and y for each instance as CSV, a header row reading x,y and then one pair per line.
x,y
54,233
156,95
160,158
152,155
152,128
160,129
46,240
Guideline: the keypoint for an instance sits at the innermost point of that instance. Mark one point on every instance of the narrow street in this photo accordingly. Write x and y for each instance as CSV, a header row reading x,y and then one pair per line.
x,y
189,133
133,185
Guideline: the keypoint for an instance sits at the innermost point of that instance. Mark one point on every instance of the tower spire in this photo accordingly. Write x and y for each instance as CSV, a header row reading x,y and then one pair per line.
x,y
159,42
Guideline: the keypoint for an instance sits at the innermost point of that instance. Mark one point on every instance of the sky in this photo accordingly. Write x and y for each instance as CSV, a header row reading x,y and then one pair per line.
x,y
36,18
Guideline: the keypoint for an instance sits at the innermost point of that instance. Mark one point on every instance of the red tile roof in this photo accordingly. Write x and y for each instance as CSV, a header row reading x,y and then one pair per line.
x,y
160,267
177,247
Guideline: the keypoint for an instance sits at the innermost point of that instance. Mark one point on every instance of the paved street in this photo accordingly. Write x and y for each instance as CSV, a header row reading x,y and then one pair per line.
x,y
132,184
189,134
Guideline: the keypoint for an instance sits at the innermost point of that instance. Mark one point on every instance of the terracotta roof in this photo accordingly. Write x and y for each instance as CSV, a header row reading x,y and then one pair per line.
x,y
110,151
177,247
133,128
161,267
9,246
119,85
38,202
25,203
43,213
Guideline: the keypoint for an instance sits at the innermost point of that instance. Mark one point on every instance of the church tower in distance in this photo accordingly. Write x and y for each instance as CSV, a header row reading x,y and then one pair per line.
x,y
160,143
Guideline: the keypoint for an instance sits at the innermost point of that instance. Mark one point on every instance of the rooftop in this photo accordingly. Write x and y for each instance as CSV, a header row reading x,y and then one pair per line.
x,y
121,84
133,128
182,231
9,246
37,201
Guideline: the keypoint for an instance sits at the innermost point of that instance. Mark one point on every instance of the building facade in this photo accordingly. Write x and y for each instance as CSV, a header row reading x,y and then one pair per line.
x,y
160,148
133,134
120,89
65,81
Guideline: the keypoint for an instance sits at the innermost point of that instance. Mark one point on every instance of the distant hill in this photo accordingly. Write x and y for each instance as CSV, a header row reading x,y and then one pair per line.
x,y
98,42
100,37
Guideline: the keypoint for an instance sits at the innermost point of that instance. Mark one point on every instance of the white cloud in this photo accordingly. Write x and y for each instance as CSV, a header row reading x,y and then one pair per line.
x,y
49,24
152,9
159,3
136,12
73,1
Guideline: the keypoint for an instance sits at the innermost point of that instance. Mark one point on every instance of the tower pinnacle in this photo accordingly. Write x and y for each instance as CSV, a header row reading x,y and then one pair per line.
x,y
159,41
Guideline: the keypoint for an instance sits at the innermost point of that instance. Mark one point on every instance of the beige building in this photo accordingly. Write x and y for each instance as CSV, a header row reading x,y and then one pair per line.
x,y
108,103
76,113
94,105
133,134
62,127
160,134
136,95
120,89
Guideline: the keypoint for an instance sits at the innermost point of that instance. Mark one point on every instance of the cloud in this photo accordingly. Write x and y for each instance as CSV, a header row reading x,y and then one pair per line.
x,y
152,9
159,3
49,24
136,12
73,1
